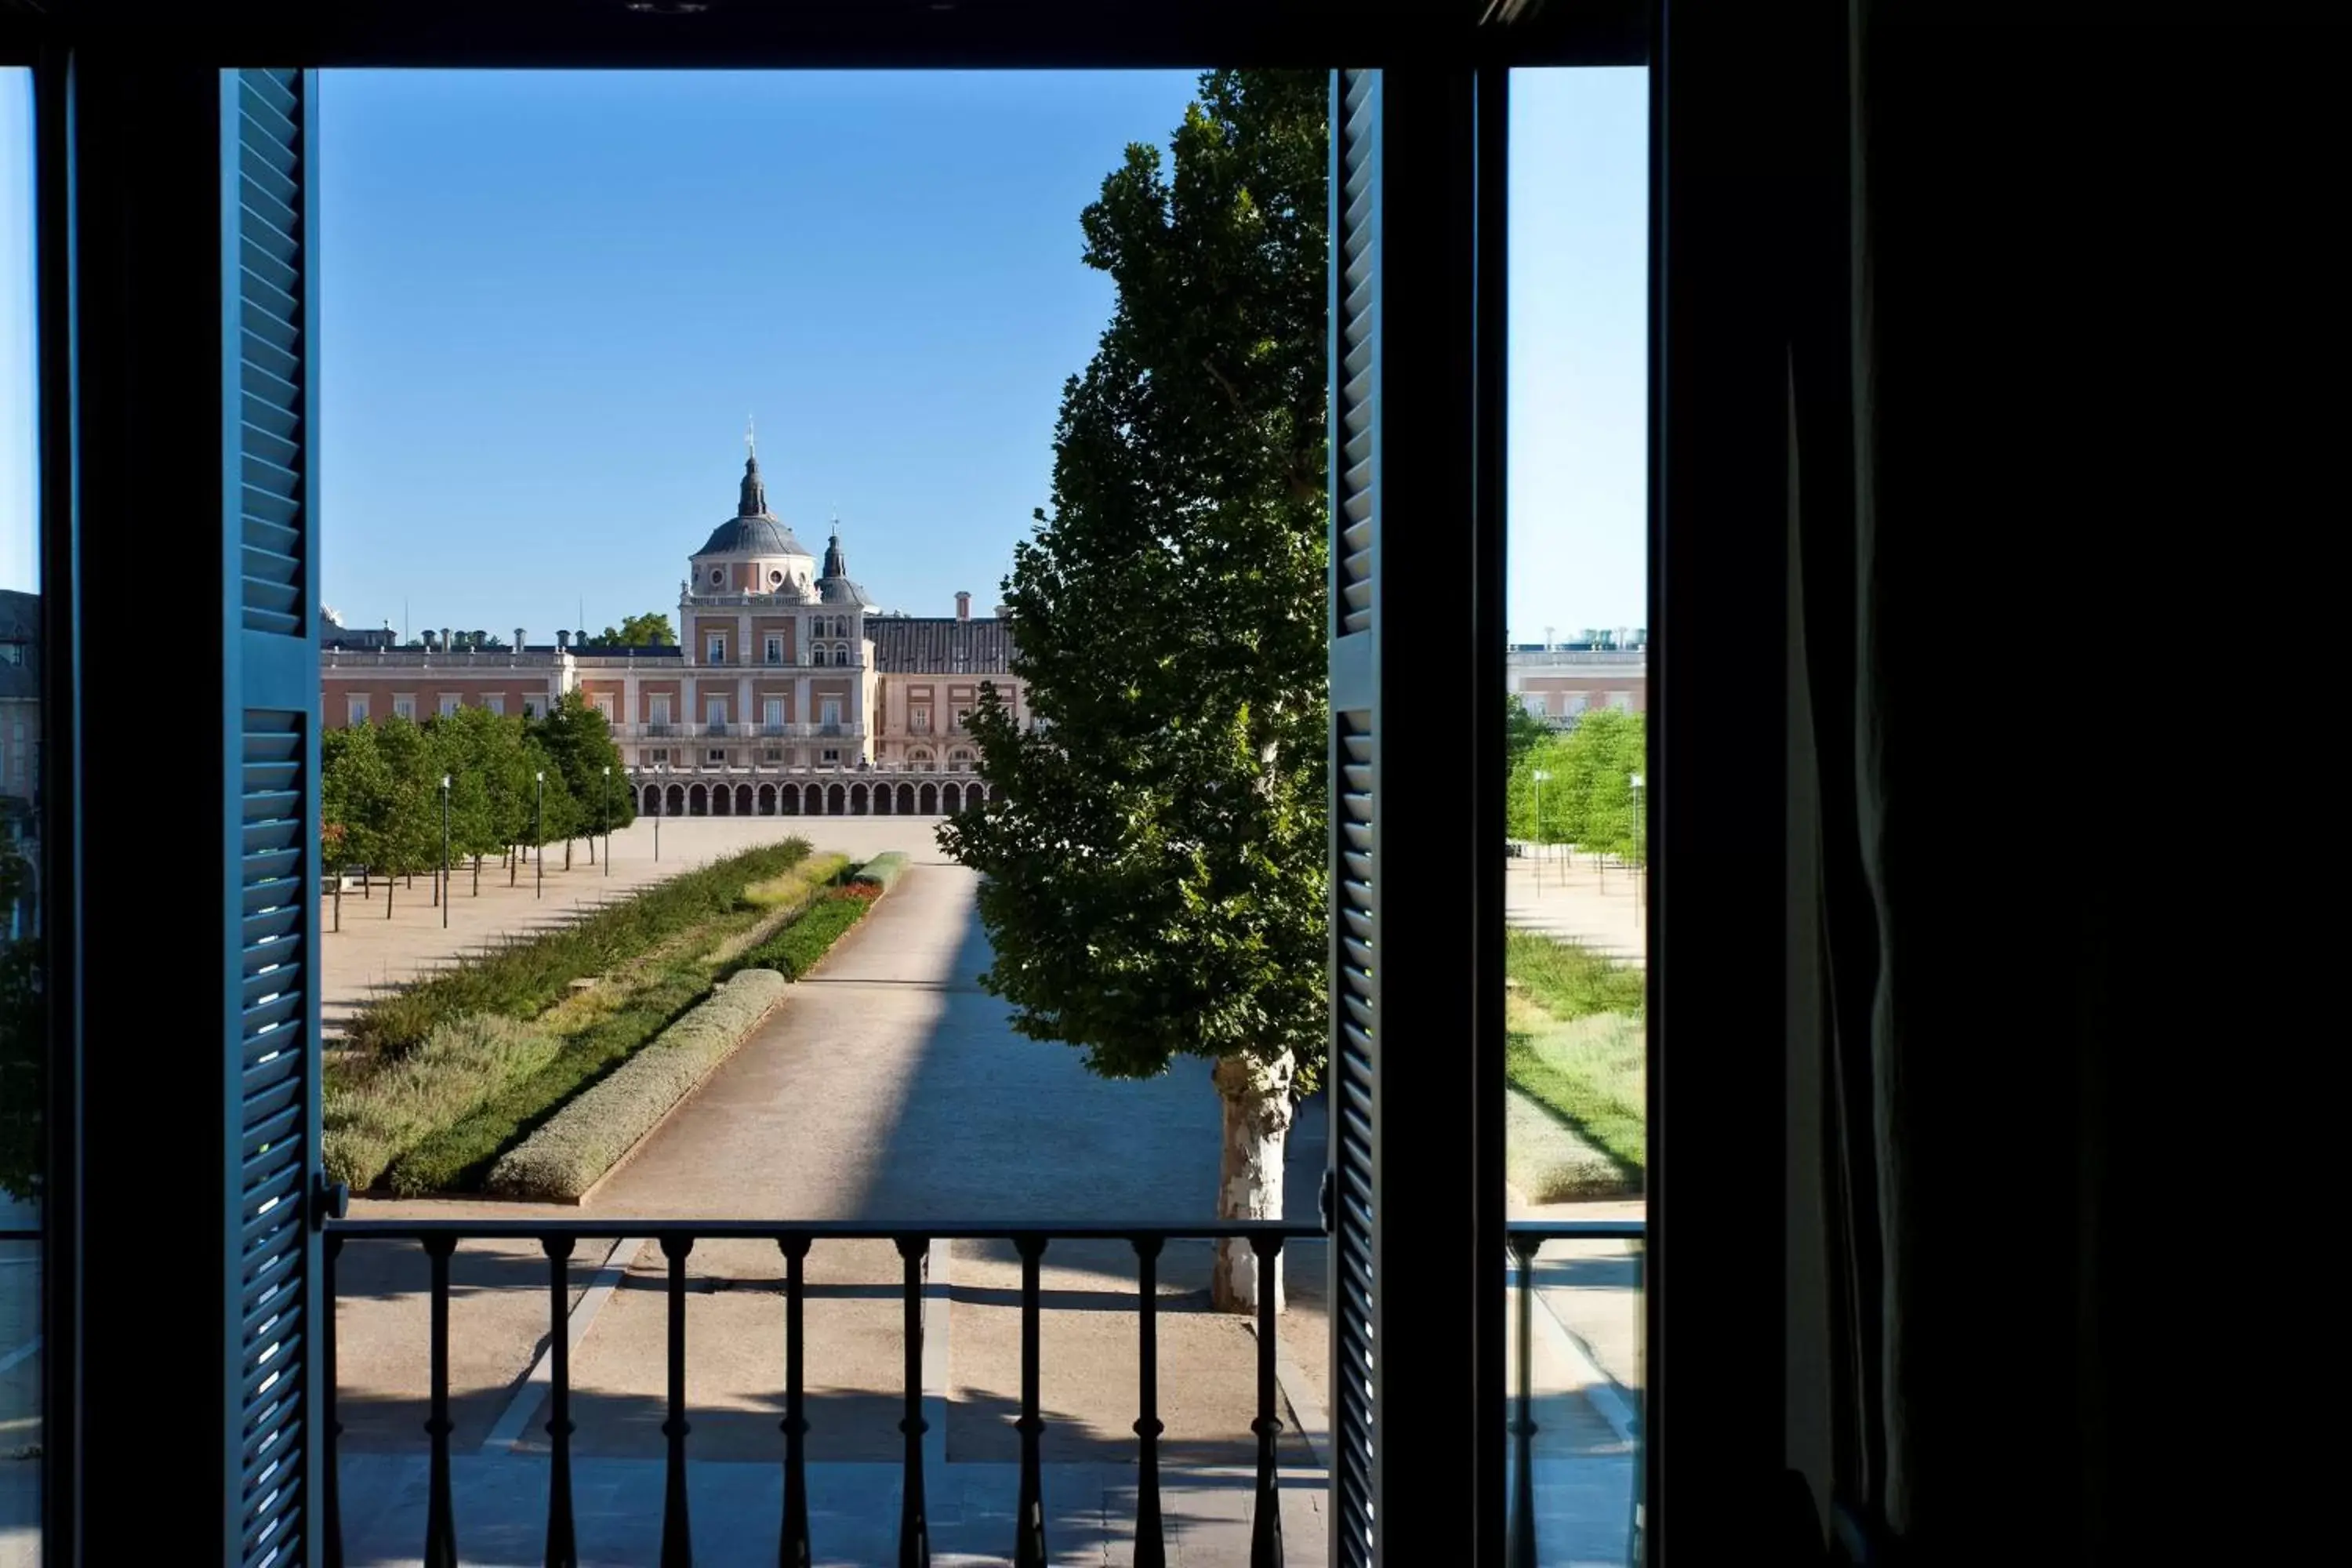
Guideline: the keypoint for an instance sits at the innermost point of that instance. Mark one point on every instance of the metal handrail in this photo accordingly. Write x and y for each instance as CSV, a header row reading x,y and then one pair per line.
x,y
1524,1239
677,1238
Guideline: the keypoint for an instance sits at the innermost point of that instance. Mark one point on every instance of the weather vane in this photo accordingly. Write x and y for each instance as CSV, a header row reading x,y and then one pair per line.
x,y
749,441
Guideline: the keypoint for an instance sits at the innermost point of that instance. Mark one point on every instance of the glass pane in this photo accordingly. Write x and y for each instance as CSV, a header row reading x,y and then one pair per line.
x,y
23,1040
1576,895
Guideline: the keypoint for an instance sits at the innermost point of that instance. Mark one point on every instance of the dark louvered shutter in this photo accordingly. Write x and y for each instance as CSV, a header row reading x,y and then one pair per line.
x,y
270,502
1356,1245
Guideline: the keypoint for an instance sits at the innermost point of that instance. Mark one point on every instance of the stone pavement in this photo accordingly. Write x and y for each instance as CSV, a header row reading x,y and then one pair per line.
x,y
1573,898
887,1086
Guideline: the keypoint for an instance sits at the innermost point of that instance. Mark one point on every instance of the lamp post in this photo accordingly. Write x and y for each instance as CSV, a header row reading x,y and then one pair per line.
x,y
661,804
539,859
1640,865
607,815
444,851
1540,777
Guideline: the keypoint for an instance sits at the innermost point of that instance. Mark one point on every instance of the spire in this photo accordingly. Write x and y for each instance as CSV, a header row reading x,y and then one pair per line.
x,y
835,565
753,501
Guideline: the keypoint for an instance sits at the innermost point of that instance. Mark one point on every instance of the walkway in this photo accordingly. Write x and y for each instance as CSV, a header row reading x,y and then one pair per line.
x,y
887,1086
1571,898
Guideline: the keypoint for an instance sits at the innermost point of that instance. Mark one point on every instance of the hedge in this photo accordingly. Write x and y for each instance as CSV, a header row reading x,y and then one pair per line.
x,y
572,1151
462,1064
793,951
882,870
523,978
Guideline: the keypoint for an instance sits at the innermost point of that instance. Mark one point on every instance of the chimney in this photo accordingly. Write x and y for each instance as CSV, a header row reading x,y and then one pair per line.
x,y
580,638
518,642
445,643
963,607
427,635
562,639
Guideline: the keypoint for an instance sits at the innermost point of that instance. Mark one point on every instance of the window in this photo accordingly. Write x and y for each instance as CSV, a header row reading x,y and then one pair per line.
x,y
919,719
717,575
775,579
355,709
1575,703
772,712
833,754
716,648
959,760
715,712
496,702
829,710
658,709
450,703
715,757
774,650
604,708
963,720
772,755
659,755
1621,701
1535,702
530,708
404,705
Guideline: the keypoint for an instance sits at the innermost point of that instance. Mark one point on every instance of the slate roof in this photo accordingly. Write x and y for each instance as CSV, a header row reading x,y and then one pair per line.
x,y
940,645
751,536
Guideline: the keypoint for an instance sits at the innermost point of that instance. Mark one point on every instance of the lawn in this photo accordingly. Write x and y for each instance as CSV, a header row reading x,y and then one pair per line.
x,y
1576,1042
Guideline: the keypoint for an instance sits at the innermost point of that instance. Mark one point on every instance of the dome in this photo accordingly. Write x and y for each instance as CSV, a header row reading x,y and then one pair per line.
x,y
753,530
834,586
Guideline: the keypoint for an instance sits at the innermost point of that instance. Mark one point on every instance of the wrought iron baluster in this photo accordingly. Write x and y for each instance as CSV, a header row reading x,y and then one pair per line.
x,y
1522,1548
677,1536
1266,1528
1029,1540
562,1548
914,1528
440,1521
793,1551
330,1522
1150,1539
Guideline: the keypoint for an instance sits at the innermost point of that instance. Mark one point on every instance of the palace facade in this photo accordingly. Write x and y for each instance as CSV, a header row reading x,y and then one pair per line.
x,y
789,692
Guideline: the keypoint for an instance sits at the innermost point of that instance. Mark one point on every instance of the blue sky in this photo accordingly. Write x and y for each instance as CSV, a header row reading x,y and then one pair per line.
x,y
552,299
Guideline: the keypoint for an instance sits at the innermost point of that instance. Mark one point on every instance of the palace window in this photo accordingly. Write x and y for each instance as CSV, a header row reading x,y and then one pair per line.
x,y
404,705
772,755
496,702
918,720
715,757
450,703
604,709
833,754
717,648
355,710
775,648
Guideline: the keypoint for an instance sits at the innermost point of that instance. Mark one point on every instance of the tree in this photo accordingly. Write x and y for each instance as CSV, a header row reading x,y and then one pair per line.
x,y
1522,730
580,744
649,630
467,744
403,808
1154,857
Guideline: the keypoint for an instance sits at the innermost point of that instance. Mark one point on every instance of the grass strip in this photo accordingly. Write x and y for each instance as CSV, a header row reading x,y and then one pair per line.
x,y
793,951
1591,1074
1567,981
523,978
572,1150
461,1063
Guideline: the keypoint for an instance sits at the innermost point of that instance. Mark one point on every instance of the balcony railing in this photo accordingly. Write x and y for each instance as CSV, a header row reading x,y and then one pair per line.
x,y
1524,1239
558,1238
737,732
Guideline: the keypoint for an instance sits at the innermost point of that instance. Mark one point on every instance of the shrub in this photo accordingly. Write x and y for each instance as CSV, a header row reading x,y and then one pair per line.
x,y
574,1148
882,870
793,951
462,1063
794,887
1568,982
521,979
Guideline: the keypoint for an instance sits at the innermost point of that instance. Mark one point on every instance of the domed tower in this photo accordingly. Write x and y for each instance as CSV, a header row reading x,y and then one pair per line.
x,y
753,552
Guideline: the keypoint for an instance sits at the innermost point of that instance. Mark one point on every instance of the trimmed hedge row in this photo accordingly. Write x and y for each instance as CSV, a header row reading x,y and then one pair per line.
x,y
462,1064
882,870
572,1151
523,979
793,951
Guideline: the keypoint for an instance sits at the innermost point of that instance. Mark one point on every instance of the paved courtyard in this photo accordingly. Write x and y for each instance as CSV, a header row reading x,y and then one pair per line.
x,y
1574,898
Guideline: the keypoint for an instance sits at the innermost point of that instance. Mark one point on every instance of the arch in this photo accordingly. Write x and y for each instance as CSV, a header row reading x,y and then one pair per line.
x,y
857,802
836,801
881,800
723,801
652,798
973,793
951,799
788,799
930,798
906,800
743,800
675,804
698,801
764,802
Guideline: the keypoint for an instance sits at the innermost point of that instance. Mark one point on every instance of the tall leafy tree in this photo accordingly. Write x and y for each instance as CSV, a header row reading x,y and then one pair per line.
x,y
1154,857
651,630
467,744
1522,731
579,744
401,803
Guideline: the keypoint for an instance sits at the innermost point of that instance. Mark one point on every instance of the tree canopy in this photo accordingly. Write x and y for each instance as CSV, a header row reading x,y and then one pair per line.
x,y
651,630
1587,794
1155,856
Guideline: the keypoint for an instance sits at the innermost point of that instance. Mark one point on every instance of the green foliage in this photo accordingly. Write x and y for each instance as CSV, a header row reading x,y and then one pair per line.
x,y
1155,862
649,630
1587,797
23,1037
883,870
1522,730
578,745
521,979
794,951
1568,982
574,1149
462,1064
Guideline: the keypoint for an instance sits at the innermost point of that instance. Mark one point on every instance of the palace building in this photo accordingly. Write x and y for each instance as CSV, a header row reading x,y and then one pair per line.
x,y
789,693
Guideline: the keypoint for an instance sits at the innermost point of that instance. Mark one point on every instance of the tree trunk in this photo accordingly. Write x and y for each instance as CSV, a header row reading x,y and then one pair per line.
x,y
567,854
478,876
1256,1097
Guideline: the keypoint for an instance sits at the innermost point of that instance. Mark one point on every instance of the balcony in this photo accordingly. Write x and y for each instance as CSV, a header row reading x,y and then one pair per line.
x,y
761,1495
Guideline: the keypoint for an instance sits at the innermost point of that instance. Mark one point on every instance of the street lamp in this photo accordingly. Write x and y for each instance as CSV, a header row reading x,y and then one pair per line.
x,y
444,851
538,800
661,803
607,815
1641,865
1540,777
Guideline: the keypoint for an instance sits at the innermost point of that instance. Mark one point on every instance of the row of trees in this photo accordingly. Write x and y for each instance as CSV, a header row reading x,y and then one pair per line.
x,y
380,787
1586,796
